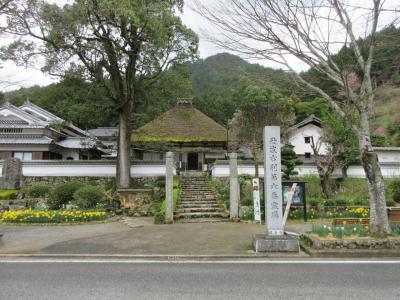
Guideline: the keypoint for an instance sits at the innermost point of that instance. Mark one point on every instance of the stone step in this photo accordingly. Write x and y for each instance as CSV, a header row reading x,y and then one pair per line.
x,y
197,196
197,190
194,202
200,196
191,205
200,215
198,209
203,220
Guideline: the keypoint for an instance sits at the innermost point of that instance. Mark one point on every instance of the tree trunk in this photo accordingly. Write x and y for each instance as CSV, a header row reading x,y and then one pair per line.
x,y
256,168
124,146
326,189
379,224
344,171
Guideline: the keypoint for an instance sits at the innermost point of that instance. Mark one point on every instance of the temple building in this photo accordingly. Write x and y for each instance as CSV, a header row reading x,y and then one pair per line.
x,y
29,132
196,139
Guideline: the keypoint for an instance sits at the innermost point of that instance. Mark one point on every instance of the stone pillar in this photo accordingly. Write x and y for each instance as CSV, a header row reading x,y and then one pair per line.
x,y
275,240
234,187
169,186
12,177
273,180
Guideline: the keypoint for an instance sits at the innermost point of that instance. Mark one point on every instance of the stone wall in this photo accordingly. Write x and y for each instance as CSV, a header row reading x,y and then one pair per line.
x,y
55,180
351,244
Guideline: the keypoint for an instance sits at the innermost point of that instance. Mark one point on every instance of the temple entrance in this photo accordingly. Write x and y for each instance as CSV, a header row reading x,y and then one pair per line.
x,y
193,161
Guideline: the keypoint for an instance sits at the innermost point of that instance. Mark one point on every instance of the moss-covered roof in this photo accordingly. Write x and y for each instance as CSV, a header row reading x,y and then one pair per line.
x,y
181,124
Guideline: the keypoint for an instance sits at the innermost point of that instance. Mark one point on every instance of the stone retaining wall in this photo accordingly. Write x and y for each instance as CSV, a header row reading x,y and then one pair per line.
x,y
54,180
351,244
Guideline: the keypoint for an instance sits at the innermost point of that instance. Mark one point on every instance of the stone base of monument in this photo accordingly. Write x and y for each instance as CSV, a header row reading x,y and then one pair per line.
x,y
289,242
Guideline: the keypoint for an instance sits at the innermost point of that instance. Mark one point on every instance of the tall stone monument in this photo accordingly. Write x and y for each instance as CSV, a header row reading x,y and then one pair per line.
x,y
234,187
169,187
11,174
276,240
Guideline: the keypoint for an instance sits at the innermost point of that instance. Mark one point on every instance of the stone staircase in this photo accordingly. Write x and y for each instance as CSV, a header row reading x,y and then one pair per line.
x,y
198,202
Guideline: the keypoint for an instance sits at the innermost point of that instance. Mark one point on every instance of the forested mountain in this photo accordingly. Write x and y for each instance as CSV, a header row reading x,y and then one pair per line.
x,y
216,81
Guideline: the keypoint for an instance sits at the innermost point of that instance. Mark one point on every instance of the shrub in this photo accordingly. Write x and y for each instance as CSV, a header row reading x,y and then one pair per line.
x,y
341,202
313,202
62,194
361,201
395,229
390,202
38,190
88,196
8,194
394,188
330,202
159,218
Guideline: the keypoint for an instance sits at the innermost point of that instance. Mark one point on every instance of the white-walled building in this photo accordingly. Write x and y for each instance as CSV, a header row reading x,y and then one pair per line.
x,y
301,135
29,133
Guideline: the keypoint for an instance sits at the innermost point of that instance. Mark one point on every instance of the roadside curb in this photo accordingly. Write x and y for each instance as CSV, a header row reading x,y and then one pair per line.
x,y
5,257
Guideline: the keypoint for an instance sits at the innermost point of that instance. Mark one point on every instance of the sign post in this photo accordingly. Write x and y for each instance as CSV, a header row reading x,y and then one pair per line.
x,y
256,200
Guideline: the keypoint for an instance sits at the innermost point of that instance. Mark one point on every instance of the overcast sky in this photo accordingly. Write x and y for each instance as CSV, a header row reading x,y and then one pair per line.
x,y
13,77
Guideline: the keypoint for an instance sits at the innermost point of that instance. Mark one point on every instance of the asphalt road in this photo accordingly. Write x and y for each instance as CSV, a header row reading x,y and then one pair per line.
x,y
110,280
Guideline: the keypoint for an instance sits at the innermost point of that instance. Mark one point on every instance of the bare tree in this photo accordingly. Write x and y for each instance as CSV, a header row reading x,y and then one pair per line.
x,y
309,32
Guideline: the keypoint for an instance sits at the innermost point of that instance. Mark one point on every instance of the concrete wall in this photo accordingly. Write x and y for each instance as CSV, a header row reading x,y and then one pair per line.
x,y
95,168
221,169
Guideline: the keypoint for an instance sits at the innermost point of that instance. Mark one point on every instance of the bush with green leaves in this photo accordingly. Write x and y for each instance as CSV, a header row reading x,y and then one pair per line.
x,y
330,202
62,194
39,190
88,196
394,189
8,194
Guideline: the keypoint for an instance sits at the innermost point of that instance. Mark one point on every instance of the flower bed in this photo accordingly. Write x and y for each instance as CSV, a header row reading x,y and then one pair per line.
x,y
52,216
330,213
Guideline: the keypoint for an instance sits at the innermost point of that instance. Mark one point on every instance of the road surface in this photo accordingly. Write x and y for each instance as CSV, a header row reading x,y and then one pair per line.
x,y
190,280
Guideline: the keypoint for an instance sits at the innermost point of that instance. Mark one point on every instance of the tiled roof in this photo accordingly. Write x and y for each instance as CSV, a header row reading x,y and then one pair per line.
x,y
77,143
23,139
104,131
31,119
38,111
310,119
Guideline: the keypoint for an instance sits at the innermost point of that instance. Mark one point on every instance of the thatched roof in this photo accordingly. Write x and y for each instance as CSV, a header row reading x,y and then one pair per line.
x,y
181,124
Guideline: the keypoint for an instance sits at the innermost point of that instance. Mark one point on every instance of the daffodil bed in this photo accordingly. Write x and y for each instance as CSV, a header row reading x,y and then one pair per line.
x,y
52,216
354,230
333,212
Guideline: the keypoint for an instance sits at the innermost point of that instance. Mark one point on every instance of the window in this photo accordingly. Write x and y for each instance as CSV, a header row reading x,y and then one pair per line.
x,y
307,155
23,155
307,139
